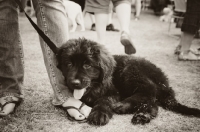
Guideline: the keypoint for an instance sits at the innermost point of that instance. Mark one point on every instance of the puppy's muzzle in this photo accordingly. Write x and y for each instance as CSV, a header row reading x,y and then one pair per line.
x,y
76,83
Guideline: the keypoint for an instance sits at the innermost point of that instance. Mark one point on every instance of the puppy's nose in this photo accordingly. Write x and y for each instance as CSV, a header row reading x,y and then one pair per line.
x,y
76,83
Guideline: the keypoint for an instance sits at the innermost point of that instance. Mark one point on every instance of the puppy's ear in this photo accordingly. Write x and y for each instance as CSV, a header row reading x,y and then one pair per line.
x,y
59,58
107,65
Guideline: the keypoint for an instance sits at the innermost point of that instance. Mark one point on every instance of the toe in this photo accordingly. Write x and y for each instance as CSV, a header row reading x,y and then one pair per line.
x,y
72,106
9,108
79,117
76,114
2,113
85,110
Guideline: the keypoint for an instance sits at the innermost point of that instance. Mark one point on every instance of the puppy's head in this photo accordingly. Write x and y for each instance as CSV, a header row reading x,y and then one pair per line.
x,y
85,63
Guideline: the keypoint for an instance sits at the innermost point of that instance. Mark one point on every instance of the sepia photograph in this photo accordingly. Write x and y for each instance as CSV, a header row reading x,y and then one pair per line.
x,y
99,65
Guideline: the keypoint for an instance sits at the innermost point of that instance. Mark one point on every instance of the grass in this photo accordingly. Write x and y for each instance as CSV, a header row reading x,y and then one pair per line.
x,y
152,42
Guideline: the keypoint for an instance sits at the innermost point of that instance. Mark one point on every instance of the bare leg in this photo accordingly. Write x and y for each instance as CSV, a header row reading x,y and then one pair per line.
x,y
110,16
80,20
124,20
186,53
92,18
123,11
138,9
93,27
186,41
74,24
101,22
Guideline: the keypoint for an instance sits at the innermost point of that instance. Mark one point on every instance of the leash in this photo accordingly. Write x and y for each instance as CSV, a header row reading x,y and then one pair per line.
x,y
46,39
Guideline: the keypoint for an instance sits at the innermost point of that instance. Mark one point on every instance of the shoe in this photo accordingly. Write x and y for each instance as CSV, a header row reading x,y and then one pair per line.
x,y
177,51
93,27
110,27
137,18
188,56
128,44
8,100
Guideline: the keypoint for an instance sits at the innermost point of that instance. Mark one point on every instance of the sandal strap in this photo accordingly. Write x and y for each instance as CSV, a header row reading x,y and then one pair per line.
x,y
72,107
15,102
78,109
197,52
8,100
83,104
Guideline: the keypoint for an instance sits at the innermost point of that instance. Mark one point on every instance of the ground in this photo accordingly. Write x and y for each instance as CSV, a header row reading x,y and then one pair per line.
x,y
152,41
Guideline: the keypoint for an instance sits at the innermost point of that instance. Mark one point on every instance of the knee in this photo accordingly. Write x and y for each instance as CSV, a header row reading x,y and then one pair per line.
x,y
8,10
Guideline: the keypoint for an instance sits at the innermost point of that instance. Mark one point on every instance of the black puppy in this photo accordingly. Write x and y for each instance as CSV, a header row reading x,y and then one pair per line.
x,y
121,84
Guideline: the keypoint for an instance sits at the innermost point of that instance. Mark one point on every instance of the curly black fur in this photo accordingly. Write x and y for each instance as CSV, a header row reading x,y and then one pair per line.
x,y
119,83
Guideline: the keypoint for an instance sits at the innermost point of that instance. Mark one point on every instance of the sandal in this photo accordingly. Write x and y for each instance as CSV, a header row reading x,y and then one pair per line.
x,y
188,56
8,100
78,109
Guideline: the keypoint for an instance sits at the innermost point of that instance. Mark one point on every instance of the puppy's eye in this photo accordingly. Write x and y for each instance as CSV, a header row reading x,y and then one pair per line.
x,y
86,66
69,64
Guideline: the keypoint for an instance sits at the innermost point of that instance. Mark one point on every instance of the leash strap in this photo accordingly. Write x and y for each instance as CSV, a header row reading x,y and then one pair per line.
x,y
40,32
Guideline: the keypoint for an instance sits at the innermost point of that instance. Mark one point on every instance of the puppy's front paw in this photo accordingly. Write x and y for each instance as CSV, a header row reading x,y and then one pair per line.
x,y
98,118
141,118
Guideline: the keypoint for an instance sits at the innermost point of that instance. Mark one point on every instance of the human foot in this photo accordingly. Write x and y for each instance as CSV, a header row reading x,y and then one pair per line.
x,y
188,56
177,50
128,44
137,18
76,109
8,105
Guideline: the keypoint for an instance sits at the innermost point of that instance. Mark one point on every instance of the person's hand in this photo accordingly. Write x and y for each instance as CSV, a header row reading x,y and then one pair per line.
x,y
23,3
